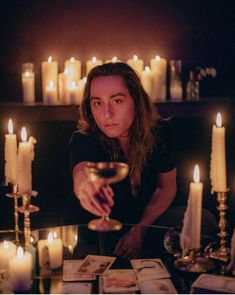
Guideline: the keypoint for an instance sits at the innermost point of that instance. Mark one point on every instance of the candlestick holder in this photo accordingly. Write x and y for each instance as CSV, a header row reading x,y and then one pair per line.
x,y
223,252
194,262
27,209
15,195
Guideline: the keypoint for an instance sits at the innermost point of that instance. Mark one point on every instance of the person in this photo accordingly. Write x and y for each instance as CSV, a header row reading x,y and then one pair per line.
x,y
118,122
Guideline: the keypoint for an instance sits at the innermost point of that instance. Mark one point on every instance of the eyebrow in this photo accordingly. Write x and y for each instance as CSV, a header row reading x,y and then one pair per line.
x,y
112,96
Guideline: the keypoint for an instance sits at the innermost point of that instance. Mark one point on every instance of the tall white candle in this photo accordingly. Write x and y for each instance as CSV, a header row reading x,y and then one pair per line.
x,y
55,249
10,155
158,67
7,251
147,82
20,271
136,63
90,64
74,68
49,73
28,83
218,157
191,231
25,158
64,81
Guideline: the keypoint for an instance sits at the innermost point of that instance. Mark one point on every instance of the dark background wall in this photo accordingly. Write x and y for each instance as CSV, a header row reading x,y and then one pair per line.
x,y
201,33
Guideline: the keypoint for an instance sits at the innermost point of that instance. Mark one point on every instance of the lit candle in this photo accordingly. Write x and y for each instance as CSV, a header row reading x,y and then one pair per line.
x,y
28,83
218,157
74,93
20,270
90,64
10,155
81,87
191,231
74,68
25,158
136,64
158,67
147,82
55,249
113,60
7,251
49,73
64,81
51,93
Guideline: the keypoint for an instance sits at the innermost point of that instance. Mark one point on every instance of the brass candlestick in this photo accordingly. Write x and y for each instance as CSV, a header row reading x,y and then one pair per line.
x,y
27,208
223,252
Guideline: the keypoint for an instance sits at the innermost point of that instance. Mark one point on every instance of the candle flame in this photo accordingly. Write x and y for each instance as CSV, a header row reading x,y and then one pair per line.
x,y
73,84
114,59
50,238
135,57
218,120
147,69
157,57
27,74
55,235
66,71
6,245
24,134
72,59
51,84
50,59
10,126
196,174
20,252
93,59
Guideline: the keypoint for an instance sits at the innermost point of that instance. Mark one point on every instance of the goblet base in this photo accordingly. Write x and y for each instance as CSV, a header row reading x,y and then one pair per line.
x,y
104,224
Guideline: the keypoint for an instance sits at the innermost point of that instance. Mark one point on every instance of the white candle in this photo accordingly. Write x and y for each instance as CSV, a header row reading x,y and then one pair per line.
x,y
158,67
7,251
74,68
136,64
191,231
10,155
28,83
90,64
49,73
218,157
74,93
147,82
20,270
81,87
64,81
51,93
25,158
55,249
176,91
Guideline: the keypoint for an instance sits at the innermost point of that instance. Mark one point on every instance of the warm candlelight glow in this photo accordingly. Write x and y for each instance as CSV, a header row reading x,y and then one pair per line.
x,y
72,59
50,59
55,235
51,84
114,59
218,120
135,57
196,174
72,85
147,69
84,79
24,134
66,71
50,238
76,238
6,245
27,74
10,126
20,253
93,59
157,57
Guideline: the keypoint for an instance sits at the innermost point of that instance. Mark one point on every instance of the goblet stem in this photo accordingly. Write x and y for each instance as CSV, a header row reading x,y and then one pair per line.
x,y
16,216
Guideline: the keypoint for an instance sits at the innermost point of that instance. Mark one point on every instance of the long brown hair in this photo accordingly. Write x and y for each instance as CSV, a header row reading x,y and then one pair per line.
x,y
142,133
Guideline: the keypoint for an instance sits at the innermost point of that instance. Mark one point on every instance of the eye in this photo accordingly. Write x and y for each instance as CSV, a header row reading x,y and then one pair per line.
x,y
117,101
96,104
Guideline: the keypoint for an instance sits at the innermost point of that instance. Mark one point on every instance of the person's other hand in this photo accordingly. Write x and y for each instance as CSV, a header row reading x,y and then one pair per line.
x,y
129,246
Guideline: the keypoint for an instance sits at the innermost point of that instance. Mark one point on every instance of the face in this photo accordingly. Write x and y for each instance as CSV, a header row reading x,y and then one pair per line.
x,y
112,106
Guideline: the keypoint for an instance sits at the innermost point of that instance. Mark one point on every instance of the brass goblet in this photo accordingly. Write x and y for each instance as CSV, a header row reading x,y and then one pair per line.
x,y
108,172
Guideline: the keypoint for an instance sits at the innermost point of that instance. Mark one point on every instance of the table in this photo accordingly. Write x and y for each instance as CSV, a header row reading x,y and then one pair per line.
x,y
78,241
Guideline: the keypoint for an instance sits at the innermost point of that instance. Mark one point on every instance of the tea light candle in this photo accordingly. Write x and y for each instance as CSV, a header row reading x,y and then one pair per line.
x,y
20,271
7,251
25,158
49,73
218,157
55,249
28,83
158,67
90,64
136,64
74,68
10,155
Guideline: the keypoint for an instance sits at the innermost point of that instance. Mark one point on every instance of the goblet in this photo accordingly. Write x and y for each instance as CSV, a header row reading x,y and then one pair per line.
x,y
107,172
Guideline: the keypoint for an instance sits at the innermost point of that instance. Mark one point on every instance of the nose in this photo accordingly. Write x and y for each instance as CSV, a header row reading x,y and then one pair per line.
x,y
108,111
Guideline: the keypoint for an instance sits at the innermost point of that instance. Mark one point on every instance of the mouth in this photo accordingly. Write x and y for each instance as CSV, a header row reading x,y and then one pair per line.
x,y
111,125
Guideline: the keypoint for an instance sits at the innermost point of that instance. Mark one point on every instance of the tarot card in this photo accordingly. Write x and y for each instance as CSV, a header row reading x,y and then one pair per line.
x,y
157,286
146,269
119,281
70,271
75,288
96,265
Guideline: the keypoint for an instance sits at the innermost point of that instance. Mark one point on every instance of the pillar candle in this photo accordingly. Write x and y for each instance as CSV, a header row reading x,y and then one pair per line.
x,y
7,251
218,157
20,271
74,68
73,93
28,83
136,64
81,88
64,81
147,82
25,158
55,248
49,73
92,63
191,231
10,155
158,67
51,93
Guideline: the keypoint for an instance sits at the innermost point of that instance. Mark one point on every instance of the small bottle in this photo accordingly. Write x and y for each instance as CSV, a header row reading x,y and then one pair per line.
x,y
193,87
